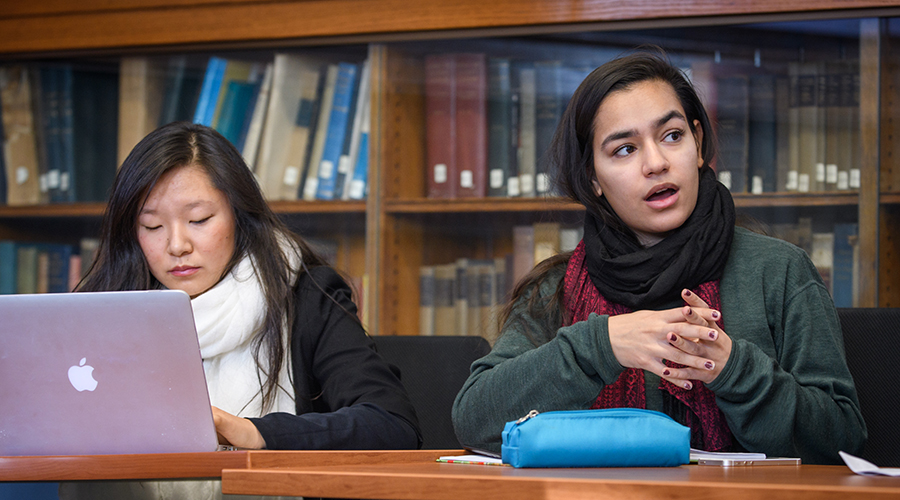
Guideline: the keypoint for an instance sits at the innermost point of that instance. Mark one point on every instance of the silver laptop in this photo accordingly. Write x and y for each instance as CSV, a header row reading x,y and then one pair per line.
x,y
101,373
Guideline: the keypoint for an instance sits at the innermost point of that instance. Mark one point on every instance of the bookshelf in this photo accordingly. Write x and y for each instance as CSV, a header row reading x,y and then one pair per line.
x,y
397,229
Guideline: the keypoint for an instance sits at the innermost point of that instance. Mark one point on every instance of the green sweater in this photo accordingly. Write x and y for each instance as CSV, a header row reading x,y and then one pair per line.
x,y
785,390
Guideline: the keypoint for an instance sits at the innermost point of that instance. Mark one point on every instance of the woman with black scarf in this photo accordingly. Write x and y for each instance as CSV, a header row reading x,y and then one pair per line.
x,y
665,304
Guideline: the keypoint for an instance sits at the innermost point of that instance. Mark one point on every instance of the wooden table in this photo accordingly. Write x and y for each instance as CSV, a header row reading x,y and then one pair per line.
x,y
416,475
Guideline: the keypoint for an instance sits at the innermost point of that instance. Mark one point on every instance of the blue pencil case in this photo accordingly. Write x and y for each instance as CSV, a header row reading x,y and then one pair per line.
x,y
615,437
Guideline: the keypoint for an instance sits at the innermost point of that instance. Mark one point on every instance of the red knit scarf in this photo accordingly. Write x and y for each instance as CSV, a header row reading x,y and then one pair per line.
x,y
704,418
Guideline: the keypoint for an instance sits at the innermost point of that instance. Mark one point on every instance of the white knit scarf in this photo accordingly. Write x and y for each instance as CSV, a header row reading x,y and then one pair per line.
x,y
228,317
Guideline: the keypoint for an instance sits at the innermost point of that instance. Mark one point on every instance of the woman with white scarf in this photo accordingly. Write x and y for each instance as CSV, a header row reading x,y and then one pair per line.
x,y
287,362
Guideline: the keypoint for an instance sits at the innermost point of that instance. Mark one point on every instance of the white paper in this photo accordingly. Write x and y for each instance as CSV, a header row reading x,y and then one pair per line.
x,y
866,468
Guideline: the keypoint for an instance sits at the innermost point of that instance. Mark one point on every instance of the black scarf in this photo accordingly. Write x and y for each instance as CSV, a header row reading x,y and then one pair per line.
x,y
641,278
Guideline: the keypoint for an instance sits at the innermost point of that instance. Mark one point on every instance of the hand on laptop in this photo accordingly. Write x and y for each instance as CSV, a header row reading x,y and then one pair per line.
x,y
237,431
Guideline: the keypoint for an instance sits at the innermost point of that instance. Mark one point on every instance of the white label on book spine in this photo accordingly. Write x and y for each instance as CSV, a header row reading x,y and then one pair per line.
x,y
512,187
42,182
543,183
466,179
291,175
757,185
831,173
496,178
803,183
310,188
792,180
820,172
526,183
854,178
725,178
843,180
326,169
440,173
64,181
357,189
53,179
344,164
21,175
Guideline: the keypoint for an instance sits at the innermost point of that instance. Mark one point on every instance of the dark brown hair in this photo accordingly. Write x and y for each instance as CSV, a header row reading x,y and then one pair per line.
x,y
571,157
120,264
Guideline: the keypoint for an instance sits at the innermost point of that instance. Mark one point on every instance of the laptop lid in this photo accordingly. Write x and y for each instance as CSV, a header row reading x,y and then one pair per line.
x,y
102,373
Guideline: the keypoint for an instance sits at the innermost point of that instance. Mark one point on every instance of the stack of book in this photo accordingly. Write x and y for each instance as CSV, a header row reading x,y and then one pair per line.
x,y
59,124
28,267
489,121
301,123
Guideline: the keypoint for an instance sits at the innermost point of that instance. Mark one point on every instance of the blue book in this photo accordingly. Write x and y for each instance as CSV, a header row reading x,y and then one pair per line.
x,y
8,263
58,258
209,92
235,107
845,236
50,126
337,129
3,185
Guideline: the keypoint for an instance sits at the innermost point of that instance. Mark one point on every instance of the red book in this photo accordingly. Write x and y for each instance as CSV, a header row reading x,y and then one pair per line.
x,y
471,125
440,112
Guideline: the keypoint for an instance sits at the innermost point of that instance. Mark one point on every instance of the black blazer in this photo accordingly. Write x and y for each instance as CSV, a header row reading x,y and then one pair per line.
x,y
347,397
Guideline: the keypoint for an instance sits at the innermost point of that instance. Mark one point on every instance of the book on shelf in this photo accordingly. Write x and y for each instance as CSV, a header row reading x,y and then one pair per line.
x,y
523,251
257,117
471,125
310,186
445,299
285,131
822,256
142,82
426,300
440,126
45,95
3,188
547,113
524,81
849,150
209,91
732,111
29,267
342,100
235,71
833,122
782,132
237,107
359,113
183,83
8,265
359,181
844,267
96,127
500,127
762,158
19,141
546,240
805,89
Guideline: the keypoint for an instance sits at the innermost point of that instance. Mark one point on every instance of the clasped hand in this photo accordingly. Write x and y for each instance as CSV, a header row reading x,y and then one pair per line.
x,y
687,335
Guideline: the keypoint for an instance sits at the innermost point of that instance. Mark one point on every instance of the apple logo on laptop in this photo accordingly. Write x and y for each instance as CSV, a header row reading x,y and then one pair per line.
x,y
82,376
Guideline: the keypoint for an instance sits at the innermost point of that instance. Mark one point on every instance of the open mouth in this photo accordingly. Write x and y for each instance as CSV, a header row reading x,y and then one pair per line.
x,y
661,194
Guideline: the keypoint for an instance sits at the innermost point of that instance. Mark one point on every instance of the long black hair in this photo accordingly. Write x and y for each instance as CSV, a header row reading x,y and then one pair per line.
x,y
120,264
571,155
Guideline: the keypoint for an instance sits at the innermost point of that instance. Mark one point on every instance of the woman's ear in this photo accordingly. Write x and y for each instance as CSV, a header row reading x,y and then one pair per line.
x,y
597,188
698,140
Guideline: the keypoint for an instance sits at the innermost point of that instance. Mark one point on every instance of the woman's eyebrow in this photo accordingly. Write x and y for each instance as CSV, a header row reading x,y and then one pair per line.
x,y
624,134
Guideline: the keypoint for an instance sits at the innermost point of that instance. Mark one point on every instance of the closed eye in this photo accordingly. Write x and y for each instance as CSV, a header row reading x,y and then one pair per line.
x,y
201,221
151,228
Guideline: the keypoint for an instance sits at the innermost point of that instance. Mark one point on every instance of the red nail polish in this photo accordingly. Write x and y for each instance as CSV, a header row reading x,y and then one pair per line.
x,y
687,385
666,372
709,365
672,337
712,334
715,314
687,293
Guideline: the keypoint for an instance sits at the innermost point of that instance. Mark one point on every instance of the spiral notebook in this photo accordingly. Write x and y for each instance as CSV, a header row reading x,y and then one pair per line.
x,y
102,373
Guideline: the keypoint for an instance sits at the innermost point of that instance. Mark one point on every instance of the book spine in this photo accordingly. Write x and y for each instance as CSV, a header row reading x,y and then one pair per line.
x,y
526,143
356,189
66,192
444,300
257,118
548,95
311,183
348,161
471,125
209,92
337,130
426,300
499,125
761,155
19,141
845,242
440,125
8,265
733,111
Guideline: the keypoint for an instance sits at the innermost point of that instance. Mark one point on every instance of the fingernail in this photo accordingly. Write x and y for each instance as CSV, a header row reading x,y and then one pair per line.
x,y
690,311
666,372
687,385
715,314
672,337
712,334
687,293
709,365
